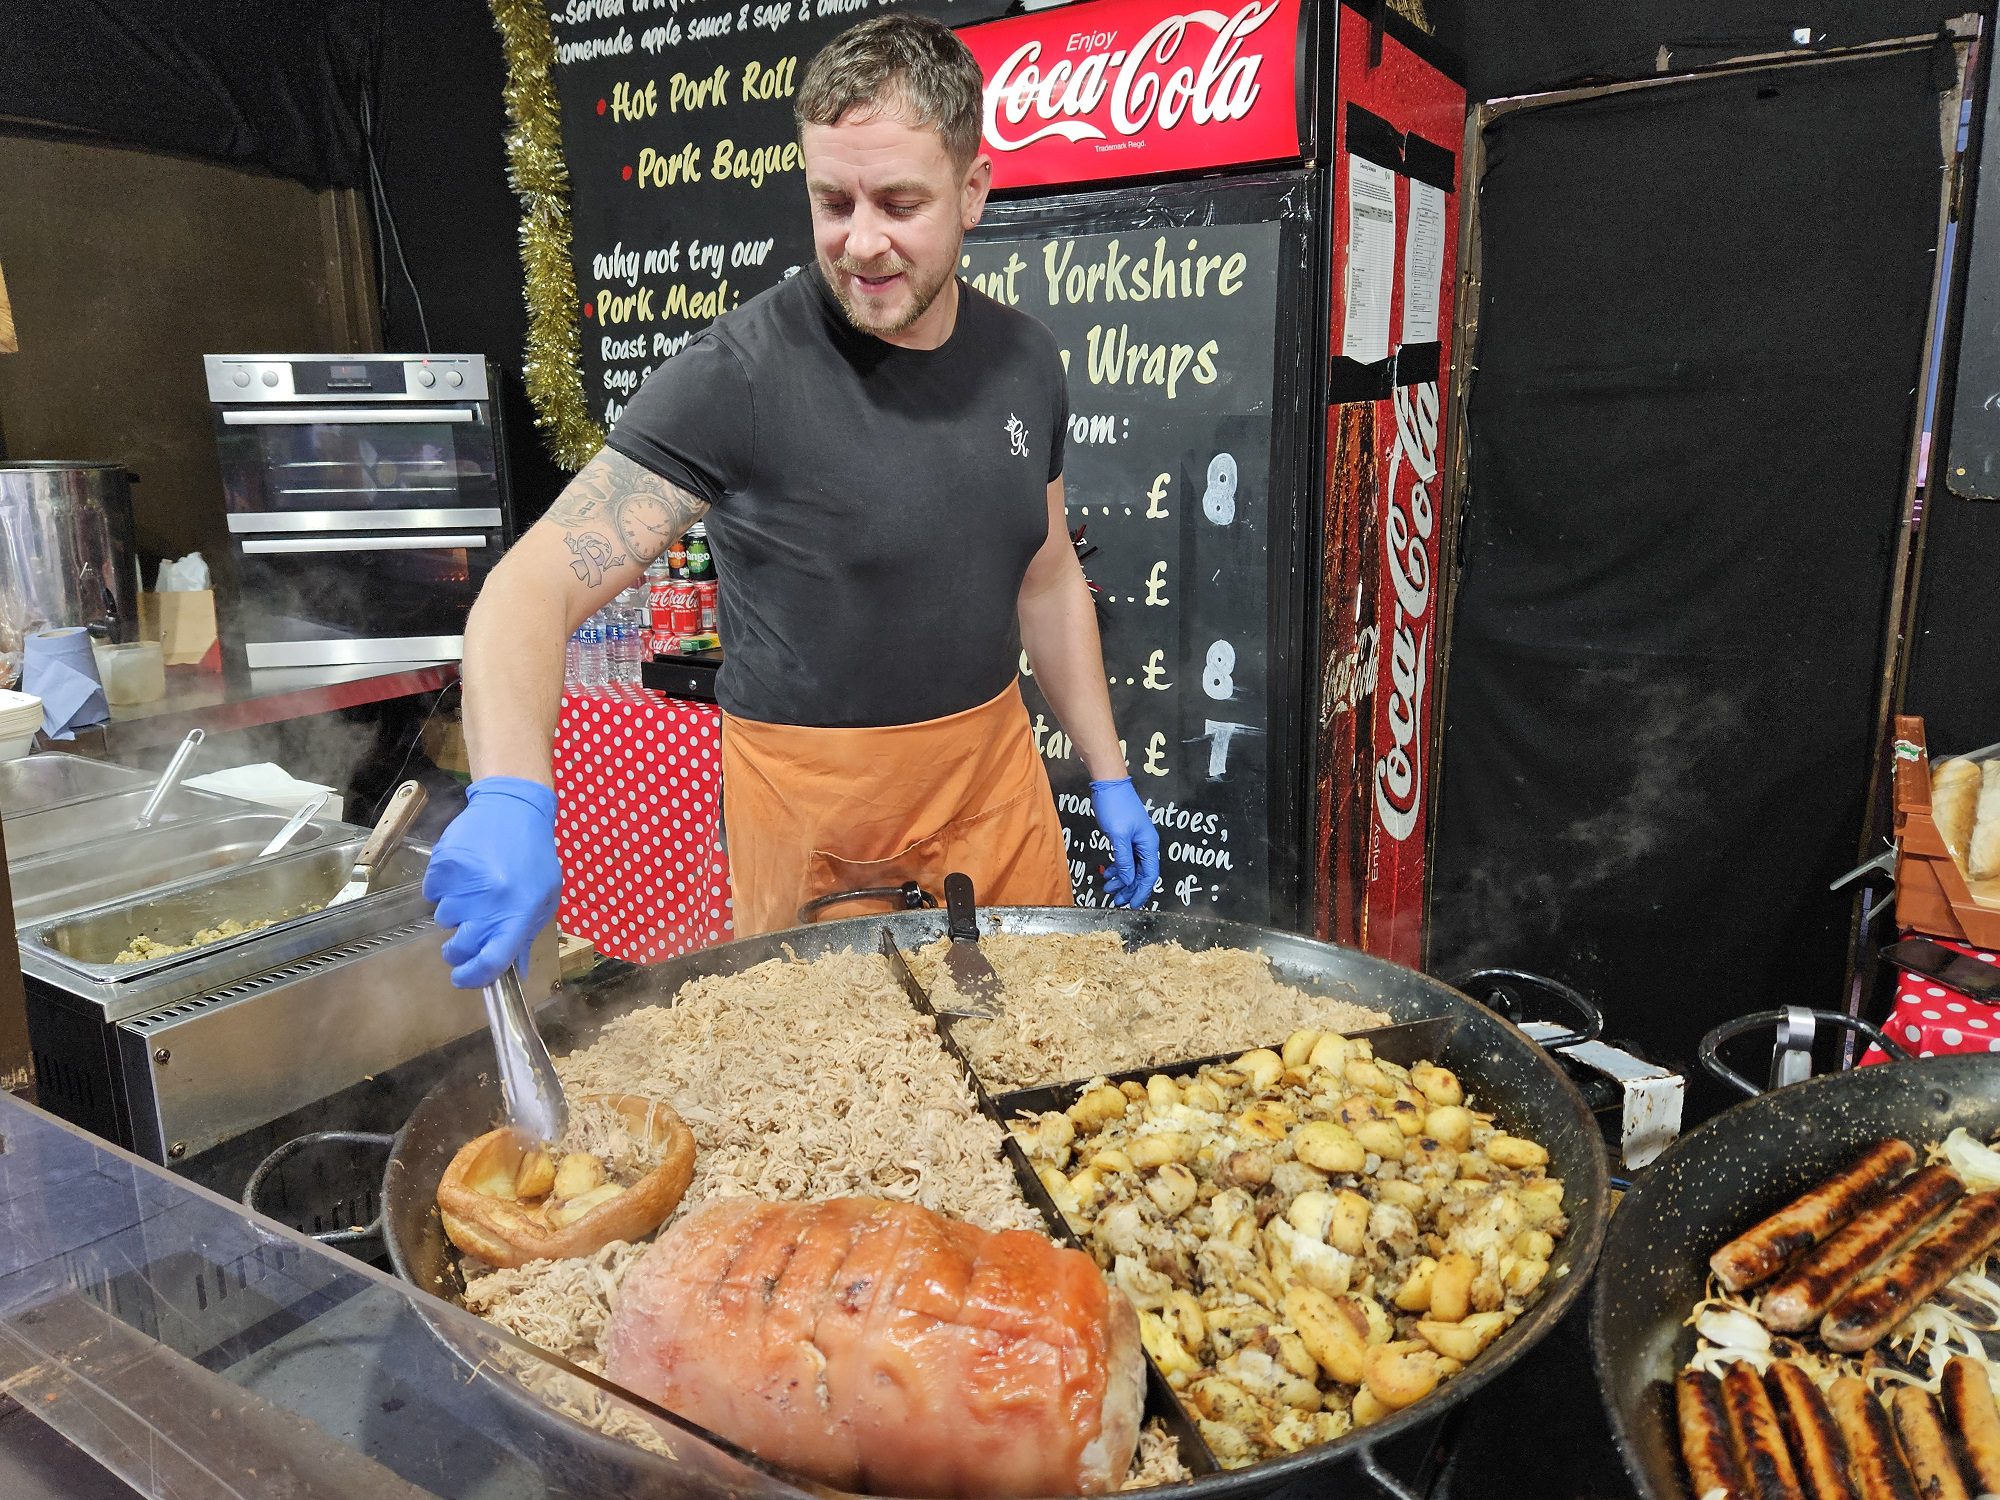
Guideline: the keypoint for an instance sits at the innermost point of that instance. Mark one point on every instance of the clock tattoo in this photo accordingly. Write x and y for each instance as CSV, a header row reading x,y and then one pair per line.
x,y
647,523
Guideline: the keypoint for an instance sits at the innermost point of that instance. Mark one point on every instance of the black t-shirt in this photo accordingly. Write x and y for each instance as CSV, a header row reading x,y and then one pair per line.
x,y
874,508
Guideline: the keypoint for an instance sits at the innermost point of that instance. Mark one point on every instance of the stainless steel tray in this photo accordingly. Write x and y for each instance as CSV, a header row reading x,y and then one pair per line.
x,y
51,885
53,777
90,940
76,825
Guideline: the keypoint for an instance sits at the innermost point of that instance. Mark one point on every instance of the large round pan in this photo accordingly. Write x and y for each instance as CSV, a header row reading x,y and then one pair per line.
x,y
1717,1181
1507,1072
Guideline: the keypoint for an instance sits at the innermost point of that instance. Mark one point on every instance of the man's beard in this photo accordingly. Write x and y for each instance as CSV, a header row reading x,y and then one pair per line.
x,y
921,296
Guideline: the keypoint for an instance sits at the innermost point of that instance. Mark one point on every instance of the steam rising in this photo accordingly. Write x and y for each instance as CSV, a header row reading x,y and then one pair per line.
x,y
1511,901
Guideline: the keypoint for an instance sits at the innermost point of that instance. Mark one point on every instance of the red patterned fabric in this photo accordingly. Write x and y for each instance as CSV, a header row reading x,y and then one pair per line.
x,y
1932,1020
638,815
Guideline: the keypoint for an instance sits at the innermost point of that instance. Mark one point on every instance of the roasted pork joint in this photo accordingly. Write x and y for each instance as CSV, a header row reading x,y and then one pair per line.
x,y
883,1348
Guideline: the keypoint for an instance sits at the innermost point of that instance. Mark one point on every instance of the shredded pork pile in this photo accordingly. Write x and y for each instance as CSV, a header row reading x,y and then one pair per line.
x,y
1080,1005
799,1081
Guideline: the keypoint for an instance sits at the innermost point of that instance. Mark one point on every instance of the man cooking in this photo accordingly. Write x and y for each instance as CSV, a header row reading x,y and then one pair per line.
x,y
877,450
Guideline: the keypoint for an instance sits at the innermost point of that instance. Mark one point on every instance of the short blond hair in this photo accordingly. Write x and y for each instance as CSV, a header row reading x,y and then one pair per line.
x,y
908,65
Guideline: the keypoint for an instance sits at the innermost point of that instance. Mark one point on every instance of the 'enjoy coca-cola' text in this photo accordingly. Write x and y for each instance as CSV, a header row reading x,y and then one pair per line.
x,y
1138,92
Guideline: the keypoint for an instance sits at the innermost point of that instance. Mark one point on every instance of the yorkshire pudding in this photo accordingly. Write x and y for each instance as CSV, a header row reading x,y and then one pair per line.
x,y
504,1199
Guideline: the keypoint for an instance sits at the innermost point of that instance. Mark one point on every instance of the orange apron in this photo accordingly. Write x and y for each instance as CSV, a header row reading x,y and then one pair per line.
x,y
809,812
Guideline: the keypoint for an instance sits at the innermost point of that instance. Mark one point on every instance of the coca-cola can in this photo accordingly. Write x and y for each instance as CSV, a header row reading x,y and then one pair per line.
x,y
683,608
705,591
659,599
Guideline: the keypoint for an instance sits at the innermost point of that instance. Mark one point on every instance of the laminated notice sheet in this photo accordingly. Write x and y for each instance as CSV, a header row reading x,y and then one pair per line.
x,y
1423,265
1371,260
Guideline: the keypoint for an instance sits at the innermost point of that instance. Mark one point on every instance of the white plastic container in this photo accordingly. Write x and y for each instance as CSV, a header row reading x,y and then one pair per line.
x,y
135,672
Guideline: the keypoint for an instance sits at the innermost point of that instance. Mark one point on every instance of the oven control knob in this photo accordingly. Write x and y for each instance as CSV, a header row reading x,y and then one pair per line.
x,y
452,377
241,377
425,377
270,377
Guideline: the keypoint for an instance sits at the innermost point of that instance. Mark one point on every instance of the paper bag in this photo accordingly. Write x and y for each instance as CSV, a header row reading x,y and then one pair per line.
x,y
184,625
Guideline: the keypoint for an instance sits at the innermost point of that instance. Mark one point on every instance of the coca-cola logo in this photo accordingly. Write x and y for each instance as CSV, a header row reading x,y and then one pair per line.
x,y
1408,523
1141,82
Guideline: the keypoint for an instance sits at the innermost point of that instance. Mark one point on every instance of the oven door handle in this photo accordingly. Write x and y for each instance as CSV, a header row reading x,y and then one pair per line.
x,y
348,416
266,546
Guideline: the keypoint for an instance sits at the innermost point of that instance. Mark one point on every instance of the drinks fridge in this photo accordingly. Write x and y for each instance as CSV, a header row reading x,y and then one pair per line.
x,y
1240,224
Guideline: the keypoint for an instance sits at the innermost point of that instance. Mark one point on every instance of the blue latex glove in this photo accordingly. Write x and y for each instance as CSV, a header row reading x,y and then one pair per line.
x,y
495,877
1135,842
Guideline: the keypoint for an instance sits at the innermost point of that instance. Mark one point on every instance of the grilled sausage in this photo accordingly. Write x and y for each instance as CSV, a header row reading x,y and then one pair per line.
x,y
1878,1302
1713,1473
1970,1412
1815,1437
1872,1455
1925,1447
1799,1297
1758,1253
1760,1441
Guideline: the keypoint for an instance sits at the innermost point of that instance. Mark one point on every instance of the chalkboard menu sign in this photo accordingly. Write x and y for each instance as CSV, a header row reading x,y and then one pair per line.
x,y
1168,332
687,194
1184,461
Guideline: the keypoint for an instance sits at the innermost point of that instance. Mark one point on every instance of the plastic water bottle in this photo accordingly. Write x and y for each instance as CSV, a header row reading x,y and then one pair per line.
x,y
632,610
573,662
590,673
619,665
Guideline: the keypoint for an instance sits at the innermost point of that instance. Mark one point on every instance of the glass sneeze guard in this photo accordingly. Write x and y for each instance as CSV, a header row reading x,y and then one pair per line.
x,y
196,1352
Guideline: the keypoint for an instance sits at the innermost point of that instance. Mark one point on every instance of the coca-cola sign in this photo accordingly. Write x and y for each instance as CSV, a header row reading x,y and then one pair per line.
x,y
1128,88
1409,522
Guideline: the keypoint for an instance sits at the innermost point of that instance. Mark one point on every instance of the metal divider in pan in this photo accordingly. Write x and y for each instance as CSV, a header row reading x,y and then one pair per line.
x,y
1408,1043
1161,1402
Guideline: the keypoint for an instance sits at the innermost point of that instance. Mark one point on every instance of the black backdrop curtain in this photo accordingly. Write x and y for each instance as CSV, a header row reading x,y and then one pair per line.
x,y
1703,317
1529,46
273,85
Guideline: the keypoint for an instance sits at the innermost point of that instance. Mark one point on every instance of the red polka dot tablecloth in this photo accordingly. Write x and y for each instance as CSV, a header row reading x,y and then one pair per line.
x,y
1931,1019
638,811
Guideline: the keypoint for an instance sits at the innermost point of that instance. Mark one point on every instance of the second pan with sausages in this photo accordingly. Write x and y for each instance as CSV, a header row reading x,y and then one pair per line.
x,y
1733,1174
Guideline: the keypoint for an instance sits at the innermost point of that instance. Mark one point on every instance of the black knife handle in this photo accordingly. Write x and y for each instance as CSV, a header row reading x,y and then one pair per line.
x,y
960,910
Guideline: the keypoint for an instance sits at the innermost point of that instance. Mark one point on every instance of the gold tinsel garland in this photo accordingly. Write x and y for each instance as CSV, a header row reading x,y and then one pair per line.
x,y
1413,12
535,168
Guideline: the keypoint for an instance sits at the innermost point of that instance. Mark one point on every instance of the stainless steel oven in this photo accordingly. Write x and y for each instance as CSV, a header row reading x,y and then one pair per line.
x,y
366,500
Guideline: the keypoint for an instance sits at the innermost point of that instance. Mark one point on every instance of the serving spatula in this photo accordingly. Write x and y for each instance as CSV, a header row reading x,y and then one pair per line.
x,y
899,966
969,968
390,830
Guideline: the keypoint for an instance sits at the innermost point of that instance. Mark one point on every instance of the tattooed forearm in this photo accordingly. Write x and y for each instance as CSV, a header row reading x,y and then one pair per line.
x,y
616,511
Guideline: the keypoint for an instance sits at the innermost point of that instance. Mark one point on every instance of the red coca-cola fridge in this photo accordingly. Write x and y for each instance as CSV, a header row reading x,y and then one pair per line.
x,y
1240,225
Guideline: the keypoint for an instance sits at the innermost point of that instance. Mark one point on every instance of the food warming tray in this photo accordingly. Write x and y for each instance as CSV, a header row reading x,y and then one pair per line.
x,y
51,779
1522,1083
102,819
72,953
52,884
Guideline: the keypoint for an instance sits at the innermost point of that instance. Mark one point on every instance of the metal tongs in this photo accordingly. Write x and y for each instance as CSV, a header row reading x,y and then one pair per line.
x,y
534,1095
